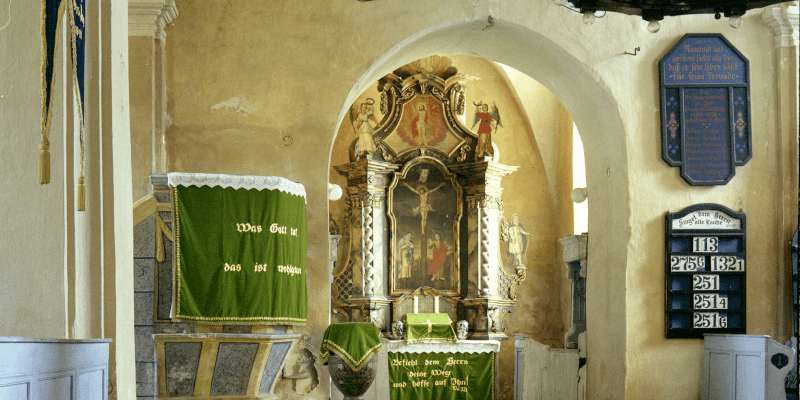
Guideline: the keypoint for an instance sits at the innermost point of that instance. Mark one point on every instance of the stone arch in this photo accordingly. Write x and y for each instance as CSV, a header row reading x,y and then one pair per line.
x,y
596,114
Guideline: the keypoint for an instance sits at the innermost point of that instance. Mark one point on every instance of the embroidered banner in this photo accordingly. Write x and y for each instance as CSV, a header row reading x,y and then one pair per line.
x,y
441,375
52,12
240,256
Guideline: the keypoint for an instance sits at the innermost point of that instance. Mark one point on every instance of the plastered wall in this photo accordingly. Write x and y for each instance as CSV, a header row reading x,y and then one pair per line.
x,y
32,250
263,90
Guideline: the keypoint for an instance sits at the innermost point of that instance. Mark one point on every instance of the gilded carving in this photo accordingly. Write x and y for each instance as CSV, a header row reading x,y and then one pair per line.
x,y
485,201
387,155
464,149
366,200
460,100
385,102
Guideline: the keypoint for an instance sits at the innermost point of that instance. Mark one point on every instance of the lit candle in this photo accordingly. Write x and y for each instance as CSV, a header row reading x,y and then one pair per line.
x,y
436,304
416,305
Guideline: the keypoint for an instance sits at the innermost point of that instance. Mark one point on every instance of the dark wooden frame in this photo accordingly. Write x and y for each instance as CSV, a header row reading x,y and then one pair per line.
x,y
396,236
671,294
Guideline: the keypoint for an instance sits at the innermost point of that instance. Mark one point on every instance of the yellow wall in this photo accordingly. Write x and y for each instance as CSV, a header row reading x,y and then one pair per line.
x,y
32,250
243,76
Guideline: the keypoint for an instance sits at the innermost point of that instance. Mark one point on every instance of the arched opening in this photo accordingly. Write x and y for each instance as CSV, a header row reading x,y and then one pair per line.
x,y
600,124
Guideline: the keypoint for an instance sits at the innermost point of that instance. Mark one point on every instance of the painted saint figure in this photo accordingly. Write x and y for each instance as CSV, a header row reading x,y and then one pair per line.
x,y
488,121
364,130
439,257
423,132
517,242
405,250
424,207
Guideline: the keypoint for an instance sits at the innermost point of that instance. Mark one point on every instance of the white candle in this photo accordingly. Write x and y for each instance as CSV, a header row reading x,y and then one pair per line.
x,y
436,304
416,305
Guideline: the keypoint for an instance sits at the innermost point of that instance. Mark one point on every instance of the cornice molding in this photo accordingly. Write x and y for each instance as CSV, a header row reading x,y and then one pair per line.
x,y
150,17
783,21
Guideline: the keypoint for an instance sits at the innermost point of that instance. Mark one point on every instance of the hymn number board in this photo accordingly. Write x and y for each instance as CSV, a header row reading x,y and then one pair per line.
x,y
705,271
705,109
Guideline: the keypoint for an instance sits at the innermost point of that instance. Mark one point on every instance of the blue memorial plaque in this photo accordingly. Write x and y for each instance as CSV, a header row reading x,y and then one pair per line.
x,y
705,109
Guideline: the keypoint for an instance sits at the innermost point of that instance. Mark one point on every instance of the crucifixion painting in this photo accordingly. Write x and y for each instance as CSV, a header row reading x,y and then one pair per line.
x,y
425,205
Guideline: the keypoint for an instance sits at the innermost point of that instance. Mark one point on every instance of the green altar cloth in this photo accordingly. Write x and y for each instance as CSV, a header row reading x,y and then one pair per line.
x,y
441,376
240,253
355,342
429,328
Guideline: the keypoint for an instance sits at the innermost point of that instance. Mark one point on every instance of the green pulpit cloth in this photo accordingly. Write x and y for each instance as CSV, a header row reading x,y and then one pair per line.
x,y
429,328
354,342
240,251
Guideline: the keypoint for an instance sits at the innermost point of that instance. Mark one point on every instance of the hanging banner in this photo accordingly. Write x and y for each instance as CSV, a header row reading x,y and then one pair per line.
x,y
52,12
441,375
240,251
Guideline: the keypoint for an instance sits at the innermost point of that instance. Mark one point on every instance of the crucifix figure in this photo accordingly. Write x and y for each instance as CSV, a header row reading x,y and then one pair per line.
x,y
424,207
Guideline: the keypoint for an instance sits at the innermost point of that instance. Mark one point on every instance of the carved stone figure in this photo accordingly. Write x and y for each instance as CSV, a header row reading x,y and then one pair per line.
x,y
363,128
462,328
398,330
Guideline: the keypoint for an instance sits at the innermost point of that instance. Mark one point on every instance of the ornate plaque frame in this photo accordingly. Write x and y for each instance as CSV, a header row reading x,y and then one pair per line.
x,y
705,109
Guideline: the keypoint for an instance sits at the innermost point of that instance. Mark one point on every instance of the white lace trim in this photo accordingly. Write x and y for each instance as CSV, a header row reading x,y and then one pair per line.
x,y
237,182
463,346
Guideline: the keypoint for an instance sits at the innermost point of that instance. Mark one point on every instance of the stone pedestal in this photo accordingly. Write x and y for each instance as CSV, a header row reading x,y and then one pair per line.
x,y
218,364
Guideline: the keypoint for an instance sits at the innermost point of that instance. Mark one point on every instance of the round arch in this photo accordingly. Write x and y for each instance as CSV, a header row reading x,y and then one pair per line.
x,y
597,116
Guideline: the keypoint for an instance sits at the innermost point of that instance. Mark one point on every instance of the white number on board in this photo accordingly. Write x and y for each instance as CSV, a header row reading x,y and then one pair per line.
x,y
705,282
710,320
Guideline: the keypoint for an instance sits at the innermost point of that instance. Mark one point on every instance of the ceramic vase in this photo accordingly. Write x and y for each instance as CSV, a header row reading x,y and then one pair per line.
x,y
352,384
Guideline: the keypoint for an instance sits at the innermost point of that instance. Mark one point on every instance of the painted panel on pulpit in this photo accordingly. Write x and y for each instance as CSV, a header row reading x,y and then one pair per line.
x,y
425,207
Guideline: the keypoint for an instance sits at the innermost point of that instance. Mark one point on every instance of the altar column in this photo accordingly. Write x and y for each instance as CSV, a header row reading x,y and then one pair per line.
x,y
482,302
369,237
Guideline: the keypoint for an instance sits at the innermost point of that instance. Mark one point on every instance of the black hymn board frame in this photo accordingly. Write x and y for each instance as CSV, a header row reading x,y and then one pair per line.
x,y
705,285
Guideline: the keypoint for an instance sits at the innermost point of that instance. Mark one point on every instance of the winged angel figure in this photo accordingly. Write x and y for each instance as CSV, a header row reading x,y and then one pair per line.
x,y
364,129
489,121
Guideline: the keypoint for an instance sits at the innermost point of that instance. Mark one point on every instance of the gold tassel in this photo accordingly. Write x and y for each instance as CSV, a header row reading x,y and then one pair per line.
x,y
44,162
81,194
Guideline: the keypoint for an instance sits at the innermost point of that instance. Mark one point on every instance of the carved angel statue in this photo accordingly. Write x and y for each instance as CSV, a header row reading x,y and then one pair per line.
x,y
362,126
514,235
489,121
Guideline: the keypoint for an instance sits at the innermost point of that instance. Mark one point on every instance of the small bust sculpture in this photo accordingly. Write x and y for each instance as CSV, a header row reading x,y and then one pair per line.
x,y
398,330
462,328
